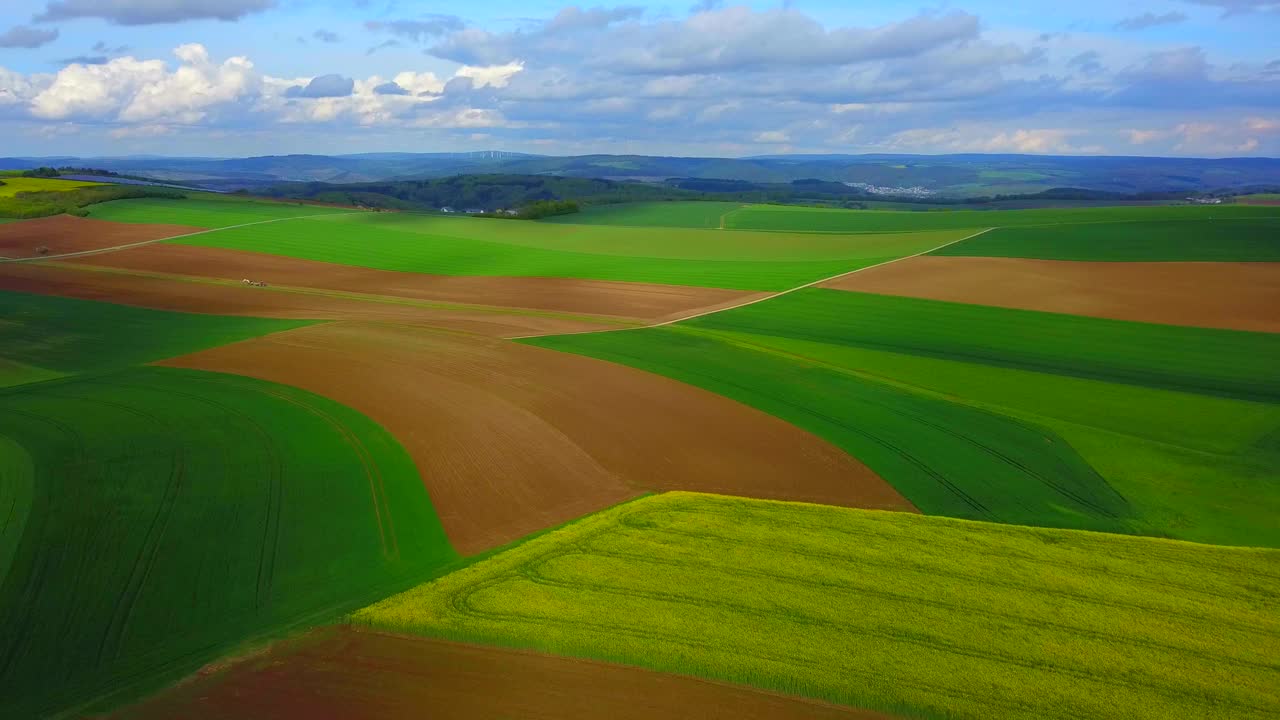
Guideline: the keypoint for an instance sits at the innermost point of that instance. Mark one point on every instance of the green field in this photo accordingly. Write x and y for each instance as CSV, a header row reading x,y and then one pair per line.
x,y
926,616
170,514
473,246
798,219
204,210
43,336
1006,415
1240,240
707,215
13,185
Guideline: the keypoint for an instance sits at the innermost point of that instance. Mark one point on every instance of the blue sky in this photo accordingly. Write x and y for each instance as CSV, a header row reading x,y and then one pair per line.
x,y
241,77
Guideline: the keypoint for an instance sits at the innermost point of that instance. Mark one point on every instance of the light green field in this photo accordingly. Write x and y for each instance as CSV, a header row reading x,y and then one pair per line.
x,y
798,219
1239,240
472,246
14,185
1013,416
43,336
707,215
167,515
924,616
204,211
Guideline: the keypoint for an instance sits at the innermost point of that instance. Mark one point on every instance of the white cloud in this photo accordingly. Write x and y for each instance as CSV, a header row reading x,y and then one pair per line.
x,y
497,76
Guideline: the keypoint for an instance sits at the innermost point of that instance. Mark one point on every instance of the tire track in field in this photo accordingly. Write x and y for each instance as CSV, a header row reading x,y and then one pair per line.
x,y
461,603
1172,558
274,488
899,563
112,641
586,549
529,571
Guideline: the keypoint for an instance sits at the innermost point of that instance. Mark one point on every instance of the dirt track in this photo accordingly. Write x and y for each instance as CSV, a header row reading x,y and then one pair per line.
x,y
236,299
597,297
511,439
1237,296
357,675
68,234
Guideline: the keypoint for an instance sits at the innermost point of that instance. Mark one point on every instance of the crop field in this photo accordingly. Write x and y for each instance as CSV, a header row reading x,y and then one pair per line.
x,y
236,505
846,605
1218,240
707,215
479,247
802,219
42,333
13,185
1002,415
204,211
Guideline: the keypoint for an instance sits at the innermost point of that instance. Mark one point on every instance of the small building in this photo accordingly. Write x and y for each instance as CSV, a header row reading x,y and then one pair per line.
x,y
447,209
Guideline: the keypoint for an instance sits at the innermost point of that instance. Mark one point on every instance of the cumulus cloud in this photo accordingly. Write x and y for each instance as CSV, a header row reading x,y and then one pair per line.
x,y
324,86
389,88
25,36
736,38
85,60
1150,20
326,36
151,12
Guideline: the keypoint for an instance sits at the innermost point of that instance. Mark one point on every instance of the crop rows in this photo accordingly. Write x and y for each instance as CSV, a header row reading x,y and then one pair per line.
x,y
847,606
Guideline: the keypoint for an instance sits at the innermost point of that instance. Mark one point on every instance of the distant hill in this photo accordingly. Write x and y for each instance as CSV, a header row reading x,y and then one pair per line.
x,y
880,174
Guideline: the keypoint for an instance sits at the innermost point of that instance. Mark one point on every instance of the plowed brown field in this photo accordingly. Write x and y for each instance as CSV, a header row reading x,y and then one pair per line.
x,y
511,439
68,234
597,297
358,675
221,298
1237,296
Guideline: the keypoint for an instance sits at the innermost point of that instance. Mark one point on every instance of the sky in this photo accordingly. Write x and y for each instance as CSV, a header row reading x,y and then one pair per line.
x,y
697,78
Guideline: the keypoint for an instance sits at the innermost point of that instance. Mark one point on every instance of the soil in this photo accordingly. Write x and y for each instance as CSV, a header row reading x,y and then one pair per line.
x,y
511,439
346,674
622,299
68,234
1236,296
165,293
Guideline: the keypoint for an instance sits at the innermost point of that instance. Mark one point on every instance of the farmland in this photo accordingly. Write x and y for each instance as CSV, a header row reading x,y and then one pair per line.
x,y
996,414
1219,240
476,247
204,211
441,463
13,185
845,605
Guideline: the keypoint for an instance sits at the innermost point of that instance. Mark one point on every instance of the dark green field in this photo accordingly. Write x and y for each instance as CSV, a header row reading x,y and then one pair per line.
x,y
1234,240
1014,416
43,334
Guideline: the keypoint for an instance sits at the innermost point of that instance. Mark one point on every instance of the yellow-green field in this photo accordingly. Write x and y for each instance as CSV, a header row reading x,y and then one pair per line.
x,y
14,185
923,615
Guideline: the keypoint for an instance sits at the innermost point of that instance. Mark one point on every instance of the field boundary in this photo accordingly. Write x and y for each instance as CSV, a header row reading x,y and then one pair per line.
x,y
127,246
767,297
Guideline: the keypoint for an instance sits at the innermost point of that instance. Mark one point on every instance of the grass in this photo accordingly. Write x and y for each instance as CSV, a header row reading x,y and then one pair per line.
x,y
14,185
1239,240
42,335
470,246
797,219
204,211
992,414
925,616
706,215
170,514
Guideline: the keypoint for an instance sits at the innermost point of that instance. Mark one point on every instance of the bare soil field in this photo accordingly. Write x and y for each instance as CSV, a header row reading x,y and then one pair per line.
x,y
360,675
622,299
1235,296
511,439
68,234
221,298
